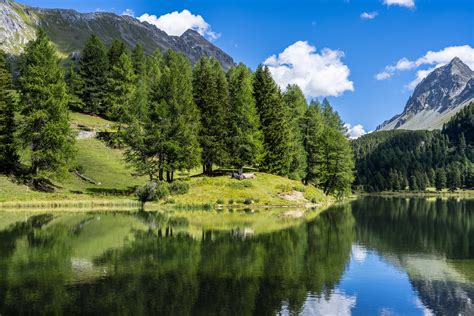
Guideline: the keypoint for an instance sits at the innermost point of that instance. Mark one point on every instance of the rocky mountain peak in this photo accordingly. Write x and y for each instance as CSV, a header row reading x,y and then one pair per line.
x,y
69,30
444,91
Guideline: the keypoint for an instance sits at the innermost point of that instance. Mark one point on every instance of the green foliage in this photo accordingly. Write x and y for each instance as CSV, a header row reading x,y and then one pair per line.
x,y
176,113
120,87
245,138
93,70
43,98
146,193
414,155
275,124
179,187
461,123
312,131
8,147
440,182
296,107
211,96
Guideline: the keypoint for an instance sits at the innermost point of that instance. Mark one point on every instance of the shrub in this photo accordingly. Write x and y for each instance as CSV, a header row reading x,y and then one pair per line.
x,y
152,191
147,192
179,187
220,201
162,190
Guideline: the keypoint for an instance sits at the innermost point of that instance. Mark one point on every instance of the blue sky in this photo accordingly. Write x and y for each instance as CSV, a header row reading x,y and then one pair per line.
x,y
358,48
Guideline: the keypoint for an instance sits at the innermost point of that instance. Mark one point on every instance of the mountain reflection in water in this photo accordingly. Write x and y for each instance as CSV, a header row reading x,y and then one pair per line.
x,y
373,256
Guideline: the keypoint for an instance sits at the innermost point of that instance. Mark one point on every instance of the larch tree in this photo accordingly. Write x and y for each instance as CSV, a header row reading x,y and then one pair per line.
x,y
212,98
143,133
274,122
178,116
296,105
8,147
245,145
120,87
45,127
93,70
312,134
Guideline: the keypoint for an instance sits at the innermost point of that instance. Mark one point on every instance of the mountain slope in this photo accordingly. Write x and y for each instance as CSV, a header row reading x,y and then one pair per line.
x,y
69,30
442,94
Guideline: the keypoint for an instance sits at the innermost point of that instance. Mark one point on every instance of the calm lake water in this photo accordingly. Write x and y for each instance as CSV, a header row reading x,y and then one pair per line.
x,y
375,256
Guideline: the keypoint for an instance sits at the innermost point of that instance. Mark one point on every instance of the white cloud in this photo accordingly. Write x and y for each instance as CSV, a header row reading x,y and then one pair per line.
x,y
402,3
359,253
369,15
128,12
432,59
317,74
356,131
176,23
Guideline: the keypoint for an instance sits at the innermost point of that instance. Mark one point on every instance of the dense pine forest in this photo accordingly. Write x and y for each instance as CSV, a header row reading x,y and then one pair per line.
x,y
414,160
169,116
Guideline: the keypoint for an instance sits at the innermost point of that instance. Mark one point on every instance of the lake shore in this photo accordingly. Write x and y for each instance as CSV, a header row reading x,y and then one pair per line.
x,y
443,194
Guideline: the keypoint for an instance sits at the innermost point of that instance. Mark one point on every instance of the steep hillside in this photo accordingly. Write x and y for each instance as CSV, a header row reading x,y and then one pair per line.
x,y
436,99
69,30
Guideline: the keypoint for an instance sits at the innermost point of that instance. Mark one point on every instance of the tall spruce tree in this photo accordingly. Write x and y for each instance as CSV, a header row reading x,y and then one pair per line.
x,y
178,114
93,70
312,135
212,98
245,138
274,123
337,171
143,134
116,50
45,127
74,85
296,104
120,86
440,181
8,152
139,61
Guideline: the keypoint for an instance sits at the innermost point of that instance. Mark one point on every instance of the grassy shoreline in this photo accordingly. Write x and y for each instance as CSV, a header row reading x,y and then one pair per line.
x,y
443,194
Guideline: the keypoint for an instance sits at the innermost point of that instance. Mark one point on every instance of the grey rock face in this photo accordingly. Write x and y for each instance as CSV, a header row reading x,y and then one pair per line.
x,y
69,30
439,96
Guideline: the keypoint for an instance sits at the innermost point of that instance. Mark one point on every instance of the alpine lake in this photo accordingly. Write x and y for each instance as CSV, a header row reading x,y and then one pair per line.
x,y
371,256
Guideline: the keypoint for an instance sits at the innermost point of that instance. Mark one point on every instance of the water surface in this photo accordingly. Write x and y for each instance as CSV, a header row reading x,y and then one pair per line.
x,y
375,256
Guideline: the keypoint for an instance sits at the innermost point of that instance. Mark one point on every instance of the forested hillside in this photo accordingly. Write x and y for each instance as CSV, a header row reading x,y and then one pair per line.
x,y
414,160
168,117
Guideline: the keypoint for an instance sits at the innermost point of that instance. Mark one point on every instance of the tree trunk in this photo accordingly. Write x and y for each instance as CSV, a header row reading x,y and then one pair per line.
x,y
168,176
160,175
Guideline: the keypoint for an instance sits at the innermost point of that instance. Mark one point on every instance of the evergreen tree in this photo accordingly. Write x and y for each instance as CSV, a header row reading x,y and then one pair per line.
x,y
337,156
413,183
245,138
296,104
212,98
93,70
179,115
440,182
139,61
45,127
116,50
312,135
74,88
8,153
274,123
143,133
453,179
120,88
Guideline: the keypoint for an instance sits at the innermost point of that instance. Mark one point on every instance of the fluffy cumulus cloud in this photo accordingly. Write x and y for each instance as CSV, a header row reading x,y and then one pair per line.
x,y
356,131
427,63
317,74
128,12
368,15
176,23
402,3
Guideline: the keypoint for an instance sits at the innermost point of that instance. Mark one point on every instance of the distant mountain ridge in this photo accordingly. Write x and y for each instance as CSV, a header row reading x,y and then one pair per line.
x,y
443,93
69,30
